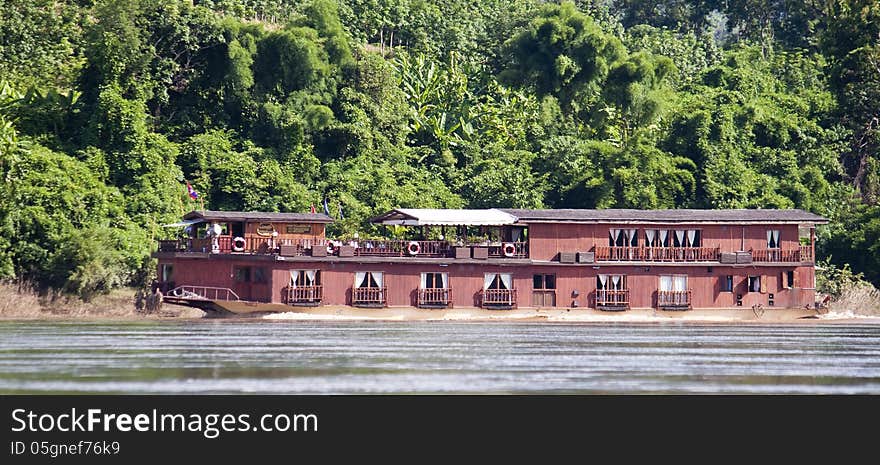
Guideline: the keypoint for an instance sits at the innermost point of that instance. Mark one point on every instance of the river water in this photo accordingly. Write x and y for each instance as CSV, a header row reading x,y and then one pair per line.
x,y
345,357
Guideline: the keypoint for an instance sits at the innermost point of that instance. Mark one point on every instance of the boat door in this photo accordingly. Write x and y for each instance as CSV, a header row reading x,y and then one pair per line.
x,y
242,277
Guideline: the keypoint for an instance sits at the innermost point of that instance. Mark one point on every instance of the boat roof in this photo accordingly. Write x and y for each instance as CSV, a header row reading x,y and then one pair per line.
x,y
214,215
622,215
444,217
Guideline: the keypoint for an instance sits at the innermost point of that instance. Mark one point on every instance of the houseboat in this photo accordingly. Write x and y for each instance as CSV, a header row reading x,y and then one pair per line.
x,y
603,260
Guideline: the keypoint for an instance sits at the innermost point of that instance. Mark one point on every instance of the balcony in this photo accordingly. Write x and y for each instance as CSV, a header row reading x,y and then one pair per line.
x,y
329,247
657,254
674,300
303,295
435,298
803,254
498,298
612,299
369,296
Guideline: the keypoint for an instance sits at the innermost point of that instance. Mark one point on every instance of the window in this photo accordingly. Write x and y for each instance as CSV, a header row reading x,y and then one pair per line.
x,y
167,272
434,281
687,238
305,278
726,283
368,279
789,281
498,281
612,282
241,274
623,237
657,237
773,239
673,283
260,275
544,282
754,284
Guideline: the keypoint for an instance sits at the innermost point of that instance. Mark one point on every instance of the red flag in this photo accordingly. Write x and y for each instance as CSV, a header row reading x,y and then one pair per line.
x,y
313,208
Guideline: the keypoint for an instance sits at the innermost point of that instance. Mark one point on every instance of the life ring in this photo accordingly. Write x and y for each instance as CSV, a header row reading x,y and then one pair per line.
x,y
330,248
509,249
238,244
413,248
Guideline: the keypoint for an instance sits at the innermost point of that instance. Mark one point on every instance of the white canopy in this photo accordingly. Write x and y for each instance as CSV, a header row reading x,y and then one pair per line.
x,y
444,217
181,224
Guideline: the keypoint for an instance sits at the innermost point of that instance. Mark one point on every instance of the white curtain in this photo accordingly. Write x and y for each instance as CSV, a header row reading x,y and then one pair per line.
x,y
516,234
359,279
614,233
487,280
615,282
756,284
663,234
679,234
776,238
424,283
665,283
769,239
443,280
680,283
649,234
294,275
378,277
632,237
506,280
603,278
692,234
311,275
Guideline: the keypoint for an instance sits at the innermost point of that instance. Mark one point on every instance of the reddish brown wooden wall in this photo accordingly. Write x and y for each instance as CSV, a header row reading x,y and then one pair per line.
x,y
546,240
466,281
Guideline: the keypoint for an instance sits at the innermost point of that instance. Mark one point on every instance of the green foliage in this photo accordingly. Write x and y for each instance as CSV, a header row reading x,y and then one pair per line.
x,y
106,107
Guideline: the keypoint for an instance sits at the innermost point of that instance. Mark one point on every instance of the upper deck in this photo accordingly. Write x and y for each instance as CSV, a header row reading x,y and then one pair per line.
x,y
534,236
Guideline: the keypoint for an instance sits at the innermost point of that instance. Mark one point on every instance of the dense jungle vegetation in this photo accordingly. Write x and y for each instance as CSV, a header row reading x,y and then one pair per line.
x,y
108,106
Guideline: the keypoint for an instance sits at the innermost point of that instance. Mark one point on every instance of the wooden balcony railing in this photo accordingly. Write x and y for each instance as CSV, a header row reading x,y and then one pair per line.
x,y
657,254
674,299
520,250
303,295
399,248
362,248
369,296
612,298
498,298
803,253
436,297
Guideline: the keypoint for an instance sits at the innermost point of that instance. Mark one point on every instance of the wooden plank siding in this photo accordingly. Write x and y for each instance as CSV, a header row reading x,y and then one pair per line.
x,y
546,240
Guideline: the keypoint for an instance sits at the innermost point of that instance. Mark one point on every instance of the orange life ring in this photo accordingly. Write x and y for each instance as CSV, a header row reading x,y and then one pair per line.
x,y
238,244
413,248
509,249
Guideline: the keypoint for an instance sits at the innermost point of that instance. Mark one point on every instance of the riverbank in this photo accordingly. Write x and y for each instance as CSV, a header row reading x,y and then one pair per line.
x,y
21,304
568,315
119,305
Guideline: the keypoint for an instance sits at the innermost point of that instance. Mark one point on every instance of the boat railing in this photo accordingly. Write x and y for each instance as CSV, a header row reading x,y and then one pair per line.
x,y
303,294
612,298
498,297
657,254
207,293
369,296
801,254
441,296
674,299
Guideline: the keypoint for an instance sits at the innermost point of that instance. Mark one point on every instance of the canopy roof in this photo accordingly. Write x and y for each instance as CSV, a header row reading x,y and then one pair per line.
x,y
507,216
181,224
210,215
683,215
444,217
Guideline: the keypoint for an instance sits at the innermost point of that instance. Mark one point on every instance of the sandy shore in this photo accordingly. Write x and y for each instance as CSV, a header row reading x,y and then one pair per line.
x,y
119,305
563,315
